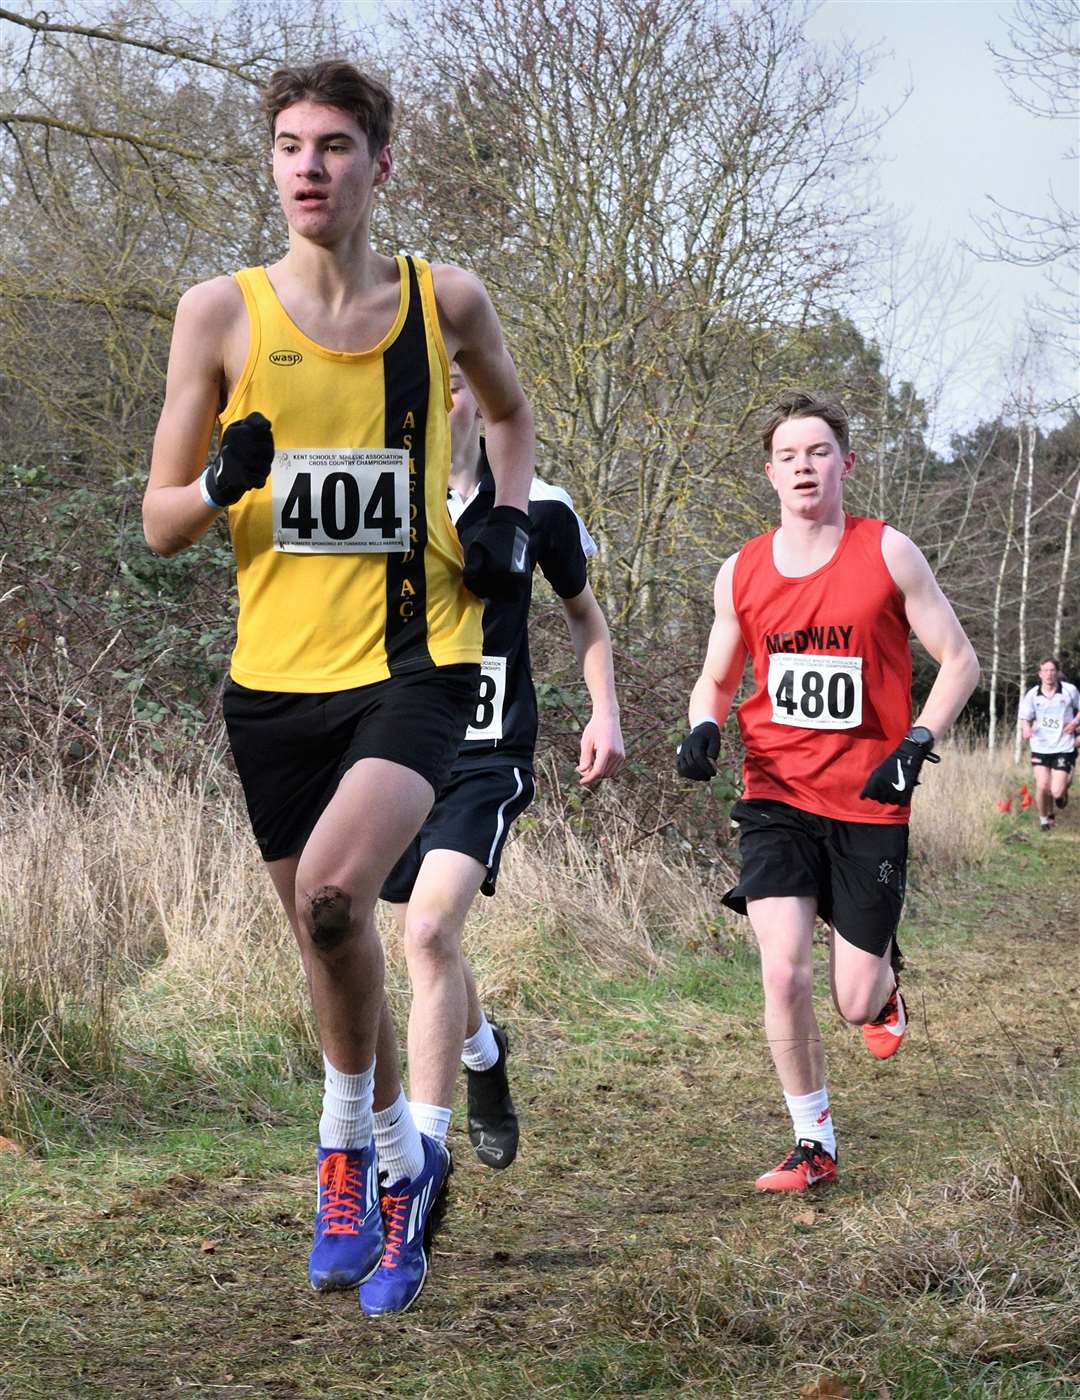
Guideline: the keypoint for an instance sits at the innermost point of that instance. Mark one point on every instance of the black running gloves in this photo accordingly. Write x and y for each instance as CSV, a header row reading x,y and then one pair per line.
x,y
247,451
497,560
897,778
697,754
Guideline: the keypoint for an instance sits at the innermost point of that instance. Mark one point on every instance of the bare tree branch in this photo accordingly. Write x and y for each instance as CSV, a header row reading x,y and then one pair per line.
x,y
41,24
92,133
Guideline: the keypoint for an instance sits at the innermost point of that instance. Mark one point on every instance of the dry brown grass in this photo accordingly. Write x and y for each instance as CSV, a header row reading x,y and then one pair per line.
x,y
625,1253
134,909
1043,1168
954,823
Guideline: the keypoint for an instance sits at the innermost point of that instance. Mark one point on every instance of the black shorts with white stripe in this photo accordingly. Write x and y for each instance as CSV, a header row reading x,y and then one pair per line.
x,y
473,814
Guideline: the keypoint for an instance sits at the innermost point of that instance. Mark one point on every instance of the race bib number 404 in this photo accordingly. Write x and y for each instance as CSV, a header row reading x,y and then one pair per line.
x,y
340,501
815,692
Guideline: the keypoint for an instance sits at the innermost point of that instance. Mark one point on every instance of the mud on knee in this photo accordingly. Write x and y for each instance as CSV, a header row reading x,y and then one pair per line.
x,y
330,915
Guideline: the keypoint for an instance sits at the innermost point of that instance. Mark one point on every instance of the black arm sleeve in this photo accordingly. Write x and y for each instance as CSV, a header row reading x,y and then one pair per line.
x,y
557,541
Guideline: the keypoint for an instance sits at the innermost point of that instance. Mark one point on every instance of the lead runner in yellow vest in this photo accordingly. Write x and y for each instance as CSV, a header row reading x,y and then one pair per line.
x,y
358,645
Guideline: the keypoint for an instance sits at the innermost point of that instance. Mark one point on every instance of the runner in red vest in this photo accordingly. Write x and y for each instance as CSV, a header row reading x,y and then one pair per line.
x,y
823,606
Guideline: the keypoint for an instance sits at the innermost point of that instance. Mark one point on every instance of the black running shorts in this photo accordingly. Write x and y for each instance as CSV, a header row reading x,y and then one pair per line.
x,y
291,750
855,870
1060,762
473,814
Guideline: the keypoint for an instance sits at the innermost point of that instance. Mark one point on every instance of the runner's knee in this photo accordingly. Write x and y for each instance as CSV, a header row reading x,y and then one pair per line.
x,y
857,1005
787,983
431,938
327,912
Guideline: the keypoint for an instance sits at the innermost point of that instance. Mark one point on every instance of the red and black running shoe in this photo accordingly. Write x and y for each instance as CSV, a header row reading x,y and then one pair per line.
x,y
883,1035
806,1165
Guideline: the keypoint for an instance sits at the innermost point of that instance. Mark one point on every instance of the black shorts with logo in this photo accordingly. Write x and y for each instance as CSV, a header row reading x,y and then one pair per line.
x,y
472,814
1061,762
855,870
291,750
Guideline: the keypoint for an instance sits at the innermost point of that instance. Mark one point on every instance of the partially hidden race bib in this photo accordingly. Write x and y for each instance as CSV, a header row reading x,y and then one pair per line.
x,y
330,500
488,720
815,692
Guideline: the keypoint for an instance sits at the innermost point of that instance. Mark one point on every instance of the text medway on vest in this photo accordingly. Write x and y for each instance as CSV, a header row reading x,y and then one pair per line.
x,y
827,638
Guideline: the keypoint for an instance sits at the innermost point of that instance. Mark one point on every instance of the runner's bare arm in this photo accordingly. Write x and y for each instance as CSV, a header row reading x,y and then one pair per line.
x,y
1026,718
725,656
174,512
474,339
1072,725
933,621
602,752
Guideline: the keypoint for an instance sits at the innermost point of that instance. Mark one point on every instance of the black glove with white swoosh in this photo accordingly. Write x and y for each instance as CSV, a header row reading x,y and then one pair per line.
x,y
897,778
696,755
243,464
497,563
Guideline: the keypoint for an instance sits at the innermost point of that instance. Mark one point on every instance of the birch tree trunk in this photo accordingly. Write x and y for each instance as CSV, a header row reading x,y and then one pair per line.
x,y
999,592
1066,553
1026,450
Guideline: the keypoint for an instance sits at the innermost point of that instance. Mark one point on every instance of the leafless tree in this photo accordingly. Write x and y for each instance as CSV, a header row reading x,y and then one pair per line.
x,y
655,193
1040,66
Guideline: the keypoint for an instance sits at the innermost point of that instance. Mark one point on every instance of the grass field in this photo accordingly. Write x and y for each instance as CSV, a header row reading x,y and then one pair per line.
x,y
156,1221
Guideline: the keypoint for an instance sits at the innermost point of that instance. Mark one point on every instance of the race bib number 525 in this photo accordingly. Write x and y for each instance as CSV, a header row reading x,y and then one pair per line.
x,y
339,501
815,692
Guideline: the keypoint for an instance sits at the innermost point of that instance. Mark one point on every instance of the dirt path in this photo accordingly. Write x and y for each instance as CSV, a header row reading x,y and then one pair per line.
x,y
625,1253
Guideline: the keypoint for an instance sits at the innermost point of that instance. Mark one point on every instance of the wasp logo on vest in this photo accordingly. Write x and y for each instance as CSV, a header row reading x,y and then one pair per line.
x,y
285,357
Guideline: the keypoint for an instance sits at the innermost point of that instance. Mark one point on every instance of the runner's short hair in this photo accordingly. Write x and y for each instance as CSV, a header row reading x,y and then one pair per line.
x,y
1050,660
333,83
800,403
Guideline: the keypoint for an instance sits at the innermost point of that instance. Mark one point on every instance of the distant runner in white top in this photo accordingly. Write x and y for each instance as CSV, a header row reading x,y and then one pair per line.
x,y
1049,719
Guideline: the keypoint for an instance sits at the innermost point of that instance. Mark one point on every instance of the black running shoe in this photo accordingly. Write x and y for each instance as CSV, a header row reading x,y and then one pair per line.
x,y
493,1124
1061,802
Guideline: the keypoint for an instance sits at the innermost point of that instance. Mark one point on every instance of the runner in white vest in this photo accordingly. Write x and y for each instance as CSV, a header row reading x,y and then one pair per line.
x,y
1049,718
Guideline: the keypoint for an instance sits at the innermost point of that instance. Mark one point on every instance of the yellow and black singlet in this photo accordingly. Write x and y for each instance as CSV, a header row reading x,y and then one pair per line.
x,y
347,565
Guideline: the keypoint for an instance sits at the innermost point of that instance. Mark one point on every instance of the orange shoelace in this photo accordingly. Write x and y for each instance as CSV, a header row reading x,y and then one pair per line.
x,y
342,1183
393,1209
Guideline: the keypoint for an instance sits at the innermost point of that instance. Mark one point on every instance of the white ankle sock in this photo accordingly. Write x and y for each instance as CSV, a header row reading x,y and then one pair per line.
x,y
810,1117
346,1110
431,1119
481,1050
397,1141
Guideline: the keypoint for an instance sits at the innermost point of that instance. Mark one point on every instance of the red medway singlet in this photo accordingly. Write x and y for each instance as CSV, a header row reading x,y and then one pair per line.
x,y
832,672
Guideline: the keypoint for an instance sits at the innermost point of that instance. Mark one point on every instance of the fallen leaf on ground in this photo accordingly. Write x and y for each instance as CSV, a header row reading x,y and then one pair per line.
x,y
208,1246
6,1145
804,1217
825,1386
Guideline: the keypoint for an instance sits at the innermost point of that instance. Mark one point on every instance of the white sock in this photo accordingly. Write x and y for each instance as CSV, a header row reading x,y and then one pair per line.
x,y
431,1119
346,1110
481,1050
810,1117
397,1140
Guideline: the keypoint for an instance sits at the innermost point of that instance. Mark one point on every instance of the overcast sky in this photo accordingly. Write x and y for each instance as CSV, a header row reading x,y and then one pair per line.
x,y
957,139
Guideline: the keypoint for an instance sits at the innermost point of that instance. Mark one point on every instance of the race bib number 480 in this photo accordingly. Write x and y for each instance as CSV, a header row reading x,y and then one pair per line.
x,y
815,692
339,501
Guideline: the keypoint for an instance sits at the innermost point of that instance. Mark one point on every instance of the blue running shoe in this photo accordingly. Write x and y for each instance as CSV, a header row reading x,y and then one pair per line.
x,y
411,1210
348,1223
